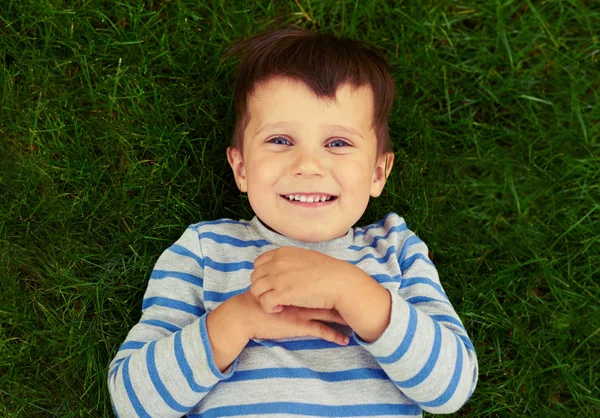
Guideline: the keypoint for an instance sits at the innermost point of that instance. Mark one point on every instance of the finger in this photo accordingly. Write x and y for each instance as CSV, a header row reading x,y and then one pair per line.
x,y
265,303
257,274
320,330
264,258
336,317
329,315
260,287
270,299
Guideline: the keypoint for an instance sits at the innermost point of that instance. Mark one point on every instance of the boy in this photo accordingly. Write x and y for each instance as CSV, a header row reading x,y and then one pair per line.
x,y
296,313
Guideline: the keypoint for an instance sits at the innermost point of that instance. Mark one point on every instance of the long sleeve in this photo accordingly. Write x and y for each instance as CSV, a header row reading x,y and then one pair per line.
x,y
166,366
425,349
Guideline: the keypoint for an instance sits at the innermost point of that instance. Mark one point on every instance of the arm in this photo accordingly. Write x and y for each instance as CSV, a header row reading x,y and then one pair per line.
x,y
167,363
414,334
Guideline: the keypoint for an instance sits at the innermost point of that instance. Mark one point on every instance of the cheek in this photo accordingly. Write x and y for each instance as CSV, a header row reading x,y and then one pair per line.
x,y
263,171
356,175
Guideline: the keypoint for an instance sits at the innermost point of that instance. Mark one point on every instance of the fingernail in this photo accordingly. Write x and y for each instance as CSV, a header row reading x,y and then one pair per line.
x,y
346,340
278,308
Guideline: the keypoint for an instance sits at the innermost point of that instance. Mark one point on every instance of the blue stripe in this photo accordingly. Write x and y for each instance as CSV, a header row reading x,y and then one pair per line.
x,y
411,281
447,318
178,249
424,299
210,296
378,224
135,402
305,373
406,341
228,267
314,410
381,260
185,368
116,367
173,304
132,345
226,239
406,264
162,324
158,384
386,278
396,228
186,277
363,231
409,241
455,321
248,265
445,397
315,344
429,364
467,342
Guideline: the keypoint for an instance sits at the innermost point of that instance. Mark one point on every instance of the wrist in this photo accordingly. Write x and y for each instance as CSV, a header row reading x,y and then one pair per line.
x,y
351,284
227,333
239,312
365,305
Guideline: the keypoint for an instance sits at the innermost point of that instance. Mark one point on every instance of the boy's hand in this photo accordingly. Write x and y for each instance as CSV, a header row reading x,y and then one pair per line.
x,y
290,276
290,322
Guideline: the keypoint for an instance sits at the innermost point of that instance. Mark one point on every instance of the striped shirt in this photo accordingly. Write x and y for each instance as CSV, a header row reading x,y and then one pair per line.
x,y
424,360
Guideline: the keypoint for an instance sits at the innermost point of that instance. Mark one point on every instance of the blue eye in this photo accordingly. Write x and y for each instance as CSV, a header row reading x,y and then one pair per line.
x,y
277,138
338,141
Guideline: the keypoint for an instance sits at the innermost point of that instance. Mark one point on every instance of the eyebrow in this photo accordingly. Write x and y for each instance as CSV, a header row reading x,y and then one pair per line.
x,y
278,125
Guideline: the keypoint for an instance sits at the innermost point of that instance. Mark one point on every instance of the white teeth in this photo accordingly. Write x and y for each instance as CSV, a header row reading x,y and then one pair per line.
x,y
308,199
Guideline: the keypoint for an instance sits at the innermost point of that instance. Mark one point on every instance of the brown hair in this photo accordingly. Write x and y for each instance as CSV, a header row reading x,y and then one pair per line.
x,y
322,61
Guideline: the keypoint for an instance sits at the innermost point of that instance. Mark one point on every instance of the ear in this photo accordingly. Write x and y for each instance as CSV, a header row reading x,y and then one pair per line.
x,y
234,156
382,171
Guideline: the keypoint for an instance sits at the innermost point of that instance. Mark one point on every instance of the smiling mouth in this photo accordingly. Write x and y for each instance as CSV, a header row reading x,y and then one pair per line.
x,y
314,200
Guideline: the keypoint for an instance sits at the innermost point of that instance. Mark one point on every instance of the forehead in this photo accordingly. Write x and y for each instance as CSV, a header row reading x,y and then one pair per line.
x,y
284,99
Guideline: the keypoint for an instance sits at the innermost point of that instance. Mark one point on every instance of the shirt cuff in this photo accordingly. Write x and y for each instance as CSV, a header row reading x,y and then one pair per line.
x,y
210,358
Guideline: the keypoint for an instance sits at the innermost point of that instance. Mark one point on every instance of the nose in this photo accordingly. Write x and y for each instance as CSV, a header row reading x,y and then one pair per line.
x,y
308,163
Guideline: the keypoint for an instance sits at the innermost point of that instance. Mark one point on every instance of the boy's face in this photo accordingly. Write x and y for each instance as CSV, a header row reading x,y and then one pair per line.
x,y
309,156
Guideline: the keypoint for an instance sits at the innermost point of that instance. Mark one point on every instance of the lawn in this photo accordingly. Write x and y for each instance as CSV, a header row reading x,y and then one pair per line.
x,y
115,117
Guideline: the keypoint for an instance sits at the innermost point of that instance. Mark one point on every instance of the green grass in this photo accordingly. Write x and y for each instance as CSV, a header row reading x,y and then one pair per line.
x,y
115,116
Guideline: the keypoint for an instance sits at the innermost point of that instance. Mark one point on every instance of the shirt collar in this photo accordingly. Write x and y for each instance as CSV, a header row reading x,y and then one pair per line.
x,y
278,239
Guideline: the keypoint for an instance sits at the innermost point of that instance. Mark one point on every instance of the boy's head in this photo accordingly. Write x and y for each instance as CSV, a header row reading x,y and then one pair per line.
x,y
311,119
